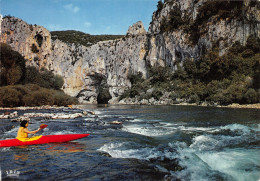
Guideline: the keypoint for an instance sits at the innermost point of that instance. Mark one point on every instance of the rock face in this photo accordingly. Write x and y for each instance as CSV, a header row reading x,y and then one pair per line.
x,y
1,19
84,68
136,29
171,47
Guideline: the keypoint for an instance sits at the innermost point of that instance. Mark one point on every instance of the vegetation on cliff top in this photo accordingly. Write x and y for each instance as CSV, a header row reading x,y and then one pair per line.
x,y
26,86
77,37
231,78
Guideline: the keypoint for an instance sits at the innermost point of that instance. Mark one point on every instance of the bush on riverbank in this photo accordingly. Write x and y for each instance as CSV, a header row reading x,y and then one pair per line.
x,y
231,78
33,95
43,78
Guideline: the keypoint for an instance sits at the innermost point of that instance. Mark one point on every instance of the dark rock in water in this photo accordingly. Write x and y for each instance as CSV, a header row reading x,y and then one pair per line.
x,y
105,154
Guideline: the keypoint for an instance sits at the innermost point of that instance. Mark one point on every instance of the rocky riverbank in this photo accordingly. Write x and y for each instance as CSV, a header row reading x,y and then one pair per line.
x,y
12,113
249,106
166,100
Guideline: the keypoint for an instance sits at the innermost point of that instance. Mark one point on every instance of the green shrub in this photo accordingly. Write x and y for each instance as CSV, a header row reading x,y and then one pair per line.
x,y
251,96
33,95
146,96
10,97
134,92
44,96
236,48
62,99
44,78
135,78
159,74
190,68
219,10
180,73
157,94
14,75
194,98
174,21
159,7
256,76
24,90
12,66
174,96
221,98
253,44
57,82
235,92
33,87
247,53
38,98
126,94
139,86
32,75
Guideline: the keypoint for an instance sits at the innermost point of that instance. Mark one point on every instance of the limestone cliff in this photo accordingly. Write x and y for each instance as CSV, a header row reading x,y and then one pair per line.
x,y
83,68
179,30
186,29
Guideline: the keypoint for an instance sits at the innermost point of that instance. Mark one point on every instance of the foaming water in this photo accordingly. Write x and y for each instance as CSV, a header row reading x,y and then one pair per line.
x,y
241,164
208,157
149,130
213,152
197,129
194,167
63,132
126,150
131,150
149,143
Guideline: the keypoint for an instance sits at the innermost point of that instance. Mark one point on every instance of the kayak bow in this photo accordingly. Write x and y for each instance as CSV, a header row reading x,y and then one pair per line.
x,y
41,140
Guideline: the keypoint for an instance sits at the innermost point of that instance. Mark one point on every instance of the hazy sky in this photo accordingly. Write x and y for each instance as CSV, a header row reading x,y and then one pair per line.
x,y
89,16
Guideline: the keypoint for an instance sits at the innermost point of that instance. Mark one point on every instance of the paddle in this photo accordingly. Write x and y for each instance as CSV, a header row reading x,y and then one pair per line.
x,y
42,126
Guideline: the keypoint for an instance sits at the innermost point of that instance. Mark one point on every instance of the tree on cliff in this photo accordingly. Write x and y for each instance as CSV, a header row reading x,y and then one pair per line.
x,y
12,66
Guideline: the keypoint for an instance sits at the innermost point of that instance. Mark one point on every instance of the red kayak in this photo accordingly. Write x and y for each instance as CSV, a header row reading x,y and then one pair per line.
x,y
41,140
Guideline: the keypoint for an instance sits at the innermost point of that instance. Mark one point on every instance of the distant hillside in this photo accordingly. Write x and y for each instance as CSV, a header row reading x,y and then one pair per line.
x,y
77,37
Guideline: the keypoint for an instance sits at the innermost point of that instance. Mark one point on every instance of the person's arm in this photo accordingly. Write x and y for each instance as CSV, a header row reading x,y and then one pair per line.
x,y
31,132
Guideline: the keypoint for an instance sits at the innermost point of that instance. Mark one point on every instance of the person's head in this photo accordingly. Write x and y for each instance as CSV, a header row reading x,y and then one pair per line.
x,y
24,123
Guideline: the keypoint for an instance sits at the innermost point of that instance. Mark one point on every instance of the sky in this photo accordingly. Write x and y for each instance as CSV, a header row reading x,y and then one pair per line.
x,y
90,16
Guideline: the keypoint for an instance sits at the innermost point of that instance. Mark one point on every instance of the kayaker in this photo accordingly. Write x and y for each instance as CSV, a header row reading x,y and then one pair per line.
x,y
23,130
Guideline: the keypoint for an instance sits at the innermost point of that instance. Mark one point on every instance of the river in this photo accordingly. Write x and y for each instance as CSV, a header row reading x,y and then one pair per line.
x,y
152,143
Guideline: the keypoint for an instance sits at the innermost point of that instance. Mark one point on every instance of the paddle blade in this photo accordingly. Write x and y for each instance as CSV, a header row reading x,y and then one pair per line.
x,y
42,126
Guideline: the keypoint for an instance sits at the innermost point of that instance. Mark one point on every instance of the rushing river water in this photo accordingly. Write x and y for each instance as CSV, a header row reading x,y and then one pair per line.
x,y
152,143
